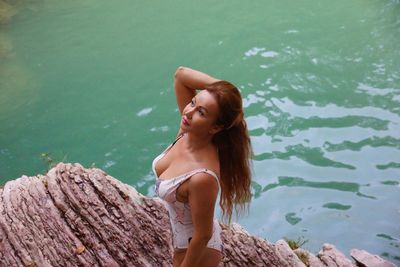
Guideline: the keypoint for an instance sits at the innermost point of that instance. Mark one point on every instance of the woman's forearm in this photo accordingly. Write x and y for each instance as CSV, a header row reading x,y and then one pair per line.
x,y
193,79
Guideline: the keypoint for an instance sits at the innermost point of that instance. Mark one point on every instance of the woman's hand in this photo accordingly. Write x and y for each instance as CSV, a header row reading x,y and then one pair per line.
x,y
186,82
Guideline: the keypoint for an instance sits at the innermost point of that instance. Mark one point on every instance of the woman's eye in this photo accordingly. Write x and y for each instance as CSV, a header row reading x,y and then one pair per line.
x,y
201,112
192,103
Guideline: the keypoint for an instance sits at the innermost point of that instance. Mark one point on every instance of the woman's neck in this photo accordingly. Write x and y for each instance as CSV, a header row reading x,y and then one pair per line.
x,y
197,142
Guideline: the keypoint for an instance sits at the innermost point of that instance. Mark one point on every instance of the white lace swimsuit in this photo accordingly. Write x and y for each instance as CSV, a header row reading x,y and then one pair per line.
x,y
179,212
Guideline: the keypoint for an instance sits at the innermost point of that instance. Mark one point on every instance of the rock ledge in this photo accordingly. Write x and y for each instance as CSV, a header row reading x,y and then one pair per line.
x,y
73,216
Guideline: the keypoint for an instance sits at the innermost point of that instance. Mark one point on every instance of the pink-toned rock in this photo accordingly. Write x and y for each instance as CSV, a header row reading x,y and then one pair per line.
x,y
243,249
60,220
311,260
286,253
366,259
332,257
73,216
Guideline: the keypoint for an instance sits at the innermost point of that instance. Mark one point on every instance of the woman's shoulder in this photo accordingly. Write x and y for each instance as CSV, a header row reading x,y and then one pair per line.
x,y
204,179
210,159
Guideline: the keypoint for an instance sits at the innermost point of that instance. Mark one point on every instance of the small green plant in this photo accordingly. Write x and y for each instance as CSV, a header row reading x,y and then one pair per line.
x,y
49,160
303,257
294,244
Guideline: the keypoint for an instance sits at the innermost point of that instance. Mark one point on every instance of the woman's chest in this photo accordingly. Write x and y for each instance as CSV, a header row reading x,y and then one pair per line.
x,y
172,165
172,191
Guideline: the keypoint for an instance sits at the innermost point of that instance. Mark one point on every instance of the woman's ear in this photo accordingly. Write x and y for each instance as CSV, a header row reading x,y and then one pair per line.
x,y
216,128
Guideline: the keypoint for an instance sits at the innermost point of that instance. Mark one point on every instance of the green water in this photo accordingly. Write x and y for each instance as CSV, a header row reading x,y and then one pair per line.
x,y
92,82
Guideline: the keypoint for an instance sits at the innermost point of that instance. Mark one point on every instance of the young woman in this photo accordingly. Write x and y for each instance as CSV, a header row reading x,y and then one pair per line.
x,y
211,153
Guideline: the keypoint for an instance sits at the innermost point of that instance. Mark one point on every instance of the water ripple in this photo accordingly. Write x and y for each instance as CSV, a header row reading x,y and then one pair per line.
x,y
313,156
332,110
337,206
300,182
144,112
395,183
376,91
373,141
389,165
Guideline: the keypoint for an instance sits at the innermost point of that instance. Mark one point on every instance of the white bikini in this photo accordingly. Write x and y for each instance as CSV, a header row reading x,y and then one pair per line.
x,y
179,212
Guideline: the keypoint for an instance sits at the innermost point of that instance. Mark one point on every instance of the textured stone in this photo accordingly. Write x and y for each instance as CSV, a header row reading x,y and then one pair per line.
x,y
333,257
73,216
285,252
310,259
366,259
242,249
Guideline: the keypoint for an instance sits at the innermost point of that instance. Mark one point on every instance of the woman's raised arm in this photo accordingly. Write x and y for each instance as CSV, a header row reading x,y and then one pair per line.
x,y
186,82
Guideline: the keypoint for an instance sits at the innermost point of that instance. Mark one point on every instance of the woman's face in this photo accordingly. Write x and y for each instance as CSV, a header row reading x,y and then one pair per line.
x,y
200,115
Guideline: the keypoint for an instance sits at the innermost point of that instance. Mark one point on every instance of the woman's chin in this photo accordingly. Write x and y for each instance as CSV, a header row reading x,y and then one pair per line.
x,y
183,128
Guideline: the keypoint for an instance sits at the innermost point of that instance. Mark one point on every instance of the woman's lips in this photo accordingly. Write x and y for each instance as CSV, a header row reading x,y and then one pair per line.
x,y
185,121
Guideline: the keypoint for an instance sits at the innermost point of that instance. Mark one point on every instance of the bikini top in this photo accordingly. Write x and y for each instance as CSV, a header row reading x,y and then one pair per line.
x,y
166,188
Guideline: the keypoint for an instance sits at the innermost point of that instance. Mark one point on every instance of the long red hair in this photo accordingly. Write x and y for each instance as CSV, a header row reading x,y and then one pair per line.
x,y
234,149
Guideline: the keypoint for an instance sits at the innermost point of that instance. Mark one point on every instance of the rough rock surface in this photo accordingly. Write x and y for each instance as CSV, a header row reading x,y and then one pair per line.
x,y
243,249
333,257
309,259
285,252
74,216
363,258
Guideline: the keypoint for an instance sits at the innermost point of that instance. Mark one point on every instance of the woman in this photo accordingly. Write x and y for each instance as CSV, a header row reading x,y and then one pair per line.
x,y
211,152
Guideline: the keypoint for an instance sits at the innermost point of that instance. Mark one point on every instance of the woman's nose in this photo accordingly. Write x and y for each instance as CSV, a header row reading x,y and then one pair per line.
x,y
190,111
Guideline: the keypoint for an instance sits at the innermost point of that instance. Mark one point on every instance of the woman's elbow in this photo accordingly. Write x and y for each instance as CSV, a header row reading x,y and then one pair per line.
x,y
179,71
205,237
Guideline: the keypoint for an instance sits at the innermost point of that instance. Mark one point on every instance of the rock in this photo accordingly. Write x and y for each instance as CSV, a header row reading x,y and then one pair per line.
x,y
243,249
286,253
73,216
308,258
60,220
366,259
333,257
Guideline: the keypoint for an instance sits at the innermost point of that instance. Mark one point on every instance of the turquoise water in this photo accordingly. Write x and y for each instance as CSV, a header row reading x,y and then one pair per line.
x,y
92,82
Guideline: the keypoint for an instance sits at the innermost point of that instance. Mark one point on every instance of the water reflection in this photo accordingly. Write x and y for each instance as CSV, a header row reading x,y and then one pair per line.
x,y
7,11
395,183
311,109
313,156
373,91
373,141
337,206
6,46
388,237
300,182
144,112
292,218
